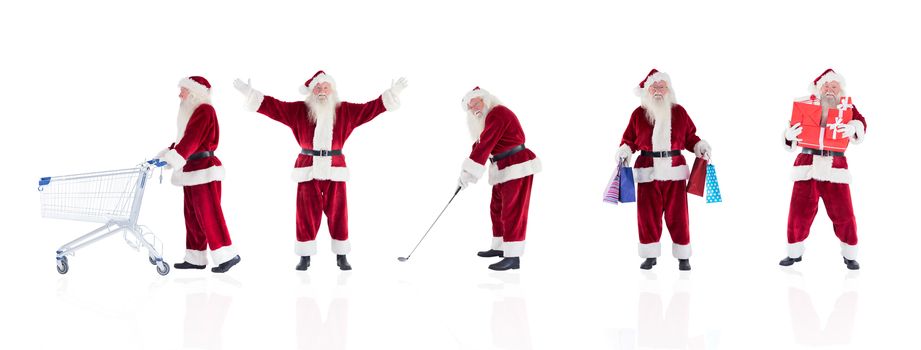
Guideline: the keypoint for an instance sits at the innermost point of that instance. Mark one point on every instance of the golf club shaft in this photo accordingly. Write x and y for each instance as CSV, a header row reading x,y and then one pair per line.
x,y
433,223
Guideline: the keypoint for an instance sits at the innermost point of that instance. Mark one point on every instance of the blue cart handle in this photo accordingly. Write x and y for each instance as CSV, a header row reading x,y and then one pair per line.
x,y
156,162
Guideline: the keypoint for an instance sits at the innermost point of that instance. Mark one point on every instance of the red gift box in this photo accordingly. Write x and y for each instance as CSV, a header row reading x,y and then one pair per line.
x,y
808,112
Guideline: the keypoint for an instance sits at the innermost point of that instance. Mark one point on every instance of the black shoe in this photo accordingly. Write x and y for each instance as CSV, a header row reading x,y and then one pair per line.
x,y
648,263
343,263
684,264
789,261
851,264
303,264
505,264
223,267
187,265
490,253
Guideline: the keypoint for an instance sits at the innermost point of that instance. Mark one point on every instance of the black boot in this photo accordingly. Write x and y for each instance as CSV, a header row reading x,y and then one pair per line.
x,y
851,264
648,263
187,265
303,264
343,263
684,264
789,261
505,264
489,253
224,266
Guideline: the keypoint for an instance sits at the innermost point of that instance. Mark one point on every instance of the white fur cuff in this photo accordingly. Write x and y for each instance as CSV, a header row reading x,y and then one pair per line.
x,y
341,247
197,257
174,160
795,250
849,251
680,251
474,168
307,248
651,250
512,249
391,100
496,243
223,254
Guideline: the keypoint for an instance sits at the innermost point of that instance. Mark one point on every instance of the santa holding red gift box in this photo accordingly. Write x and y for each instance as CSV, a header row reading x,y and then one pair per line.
x,y
660,128
821,172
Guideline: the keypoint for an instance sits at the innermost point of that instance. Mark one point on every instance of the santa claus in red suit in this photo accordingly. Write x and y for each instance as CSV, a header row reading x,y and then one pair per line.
x,y
199,172
659,129
321,124
499,140
823,174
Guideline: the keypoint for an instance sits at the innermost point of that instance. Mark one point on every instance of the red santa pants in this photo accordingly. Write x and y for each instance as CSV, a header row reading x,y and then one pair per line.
x,y
804,205
205,226
314,198
653,199
509,212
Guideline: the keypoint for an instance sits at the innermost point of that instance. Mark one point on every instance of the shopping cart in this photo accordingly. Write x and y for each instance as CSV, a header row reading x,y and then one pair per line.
x,y
109,197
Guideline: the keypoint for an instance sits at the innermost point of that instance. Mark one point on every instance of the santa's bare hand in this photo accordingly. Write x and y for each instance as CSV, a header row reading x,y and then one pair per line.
x,y
793,131
397,86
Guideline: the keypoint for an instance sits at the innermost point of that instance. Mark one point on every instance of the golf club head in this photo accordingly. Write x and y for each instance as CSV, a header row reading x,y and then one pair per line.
x,y
402,259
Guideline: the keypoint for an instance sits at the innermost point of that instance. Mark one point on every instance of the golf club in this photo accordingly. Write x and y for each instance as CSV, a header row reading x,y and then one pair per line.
x,y
430,227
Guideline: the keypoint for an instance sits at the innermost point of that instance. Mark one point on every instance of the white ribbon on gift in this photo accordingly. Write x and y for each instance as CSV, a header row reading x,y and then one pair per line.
x,y
843,106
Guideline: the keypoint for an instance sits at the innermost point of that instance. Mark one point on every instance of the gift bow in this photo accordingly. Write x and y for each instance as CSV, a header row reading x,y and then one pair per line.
x,y
843,106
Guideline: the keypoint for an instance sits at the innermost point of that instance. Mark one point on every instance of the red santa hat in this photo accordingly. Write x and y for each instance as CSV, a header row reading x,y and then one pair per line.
x,y
653,76
318,77
826,76
476,92
198,86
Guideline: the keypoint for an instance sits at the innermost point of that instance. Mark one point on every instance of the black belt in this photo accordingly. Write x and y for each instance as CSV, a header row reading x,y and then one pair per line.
x,y
321,152
506,154
200,155
816,152
661,154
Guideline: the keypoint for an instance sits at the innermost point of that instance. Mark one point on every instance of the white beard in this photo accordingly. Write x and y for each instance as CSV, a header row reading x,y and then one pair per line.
x,y
828,101
476,124
323,113
186,108
659,114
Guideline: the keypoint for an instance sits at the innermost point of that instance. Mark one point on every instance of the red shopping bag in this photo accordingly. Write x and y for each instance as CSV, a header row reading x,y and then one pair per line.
x,y
698,177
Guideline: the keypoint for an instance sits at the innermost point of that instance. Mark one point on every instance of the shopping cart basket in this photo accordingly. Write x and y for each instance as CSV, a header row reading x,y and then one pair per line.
x,y
112,198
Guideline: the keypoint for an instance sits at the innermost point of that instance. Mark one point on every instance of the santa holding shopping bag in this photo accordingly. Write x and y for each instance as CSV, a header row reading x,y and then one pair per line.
x,y
659,129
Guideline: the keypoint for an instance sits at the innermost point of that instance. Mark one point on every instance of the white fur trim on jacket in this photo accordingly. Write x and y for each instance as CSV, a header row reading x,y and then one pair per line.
x,y
680,251
496,243
512,249
341,247
391,100
661,173
305,248
795,250
650,250
197,177
174,160
253,101
474,168
849,251
512,172
223,254
196,257
860,133
320,172
821,170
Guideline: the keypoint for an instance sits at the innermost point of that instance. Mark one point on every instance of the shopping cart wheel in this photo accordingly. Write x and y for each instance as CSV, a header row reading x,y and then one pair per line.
x,y
164,270
63,267
151,259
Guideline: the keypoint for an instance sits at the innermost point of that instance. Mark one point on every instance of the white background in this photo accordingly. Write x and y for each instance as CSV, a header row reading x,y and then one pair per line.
x,y
90,86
